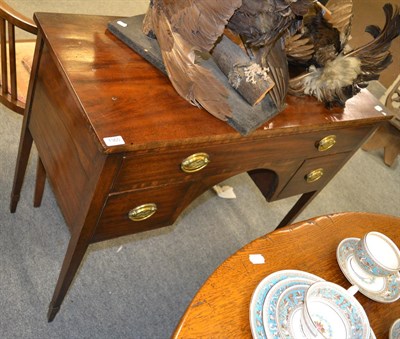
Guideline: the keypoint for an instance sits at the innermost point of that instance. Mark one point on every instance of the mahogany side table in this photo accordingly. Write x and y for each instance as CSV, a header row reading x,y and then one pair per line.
x,y
124,153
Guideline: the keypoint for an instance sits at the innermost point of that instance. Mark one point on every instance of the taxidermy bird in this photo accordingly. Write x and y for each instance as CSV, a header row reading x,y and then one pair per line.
x,y
189,31
262,26
335,72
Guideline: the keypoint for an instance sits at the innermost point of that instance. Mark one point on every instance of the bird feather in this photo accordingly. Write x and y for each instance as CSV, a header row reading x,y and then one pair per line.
x,y
375,56
184,46
341,18
200,22
341,78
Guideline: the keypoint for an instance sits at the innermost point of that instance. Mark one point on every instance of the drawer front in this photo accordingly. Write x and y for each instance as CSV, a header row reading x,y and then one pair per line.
x,y
314,174
140,210
165,167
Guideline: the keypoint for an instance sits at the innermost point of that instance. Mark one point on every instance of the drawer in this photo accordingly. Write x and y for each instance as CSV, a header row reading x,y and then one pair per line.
x,y
164,166
115,220
314,174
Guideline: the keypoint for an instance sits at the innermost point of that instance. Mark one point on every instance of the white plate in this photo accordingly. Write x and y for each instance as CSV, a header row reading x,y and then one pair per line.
x,y
289,312
382,289
394,332
260,294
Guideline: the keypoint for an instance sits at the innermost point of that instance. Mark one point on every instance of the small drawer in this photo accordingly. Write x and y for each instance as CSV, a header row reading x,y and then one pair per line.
x,y
140,210
314,174
165,166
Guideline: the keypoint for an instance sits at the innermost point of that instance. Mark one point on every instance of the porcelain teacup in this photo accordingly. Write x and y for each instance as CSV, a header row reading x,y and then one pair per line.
x,y
330,311
377,254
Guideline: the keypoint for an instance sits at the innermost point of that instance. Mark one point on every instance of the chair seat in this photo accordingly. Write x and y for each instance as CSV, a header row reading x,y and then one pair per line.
x,y
24,56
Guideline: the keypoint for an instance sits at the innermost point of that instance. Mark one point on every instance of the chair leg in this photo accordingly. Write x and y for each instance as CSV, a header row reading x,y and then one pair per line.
x,y
377,141
40,182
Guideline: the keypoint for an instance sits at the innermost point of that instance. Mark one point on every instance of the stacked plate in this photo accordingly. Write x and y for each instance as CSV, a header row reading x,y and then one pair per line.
x,y
277,308
270,314
394,332
284,306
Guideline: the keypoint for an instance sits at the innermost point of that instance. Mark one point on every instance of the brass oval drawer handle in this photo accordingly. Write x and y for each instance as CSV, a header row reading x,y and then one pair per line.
x,y
142,212
326,143
314,175
195,162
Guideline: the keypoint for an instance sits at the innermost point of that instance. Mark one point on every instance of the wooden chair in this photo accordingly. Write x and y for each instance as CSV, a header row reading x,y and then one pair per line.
x,y
16,58
387,136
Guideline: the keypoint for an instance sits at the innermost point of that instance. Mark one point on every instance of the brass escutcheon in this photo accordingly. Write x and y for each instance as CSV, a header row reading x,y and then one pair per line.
x,y
142,212
195,162
326,143
314,175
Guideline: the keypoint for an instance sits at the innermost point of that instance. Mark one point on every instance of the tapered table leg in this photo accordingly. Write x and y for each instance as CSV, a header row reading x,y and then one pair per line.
x,y
298,207
25,147
40,182
75,252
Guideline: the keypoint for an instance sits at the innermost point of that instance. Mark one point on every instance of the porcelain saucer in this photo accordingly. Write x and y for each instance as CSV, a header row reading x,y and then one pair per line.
x,y
258,301
289,312
330,311
271,301
381,289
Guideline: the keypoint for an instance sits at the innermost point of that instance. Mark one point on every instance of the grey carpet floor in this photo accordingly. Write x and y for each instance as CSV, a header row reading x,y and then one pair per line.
x,y
139,286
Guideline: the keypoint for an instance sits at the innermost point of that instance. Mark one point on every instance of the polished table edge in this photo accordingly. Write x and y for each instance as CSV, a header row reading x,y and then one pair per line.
x,y
181,126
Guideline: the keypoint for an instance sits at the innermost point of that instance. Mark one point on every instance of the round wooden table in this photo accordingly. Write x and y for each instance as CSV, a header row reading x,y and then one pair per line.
x,y
220,308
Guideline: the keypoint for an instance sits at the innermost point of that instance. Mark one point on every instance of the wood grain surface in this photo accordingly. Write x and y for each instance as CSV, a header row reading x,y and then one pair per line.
x,y
123,94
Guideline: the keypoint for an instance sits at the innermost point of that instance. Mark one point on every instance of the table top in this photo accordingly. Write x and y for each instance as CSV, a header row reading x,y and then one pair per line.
x,y
221,306
124,95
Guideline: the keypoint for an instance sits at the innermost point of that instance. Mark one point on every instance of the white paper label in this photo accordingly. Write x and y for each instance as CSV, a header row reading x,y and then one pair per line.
x,y
257,259
114,141
121,23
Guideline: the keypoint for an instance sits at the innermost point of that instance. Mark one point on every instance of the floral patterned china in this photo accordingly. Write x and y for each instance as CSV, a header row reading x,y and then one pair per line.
x,y
384,289
330,311
270,320
262,300
289,311
377,254
394,332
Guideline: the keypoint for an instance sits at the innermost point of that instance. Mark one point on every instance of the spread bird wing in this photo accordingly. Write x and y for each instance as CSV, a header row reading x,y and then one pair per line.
x,y
341,17
299,48
185,31
342,77
375,56
262,23
200,22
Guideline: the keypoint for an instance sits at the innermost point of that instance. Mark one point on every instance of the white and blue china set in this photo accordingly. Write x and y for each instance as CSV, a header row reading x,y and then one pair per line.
x,y
297,304
394,332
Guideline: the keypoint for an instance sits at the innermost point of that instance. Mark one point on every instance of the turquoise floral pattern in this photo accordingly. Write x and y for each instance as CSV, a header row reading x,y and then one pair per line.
x,y
366,261
355,323
258,327
390,290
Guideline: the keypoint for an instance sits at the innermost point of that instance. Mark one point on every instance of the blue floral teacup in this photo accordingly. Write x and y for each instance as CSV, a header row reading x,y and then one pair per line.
x,y
377,254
